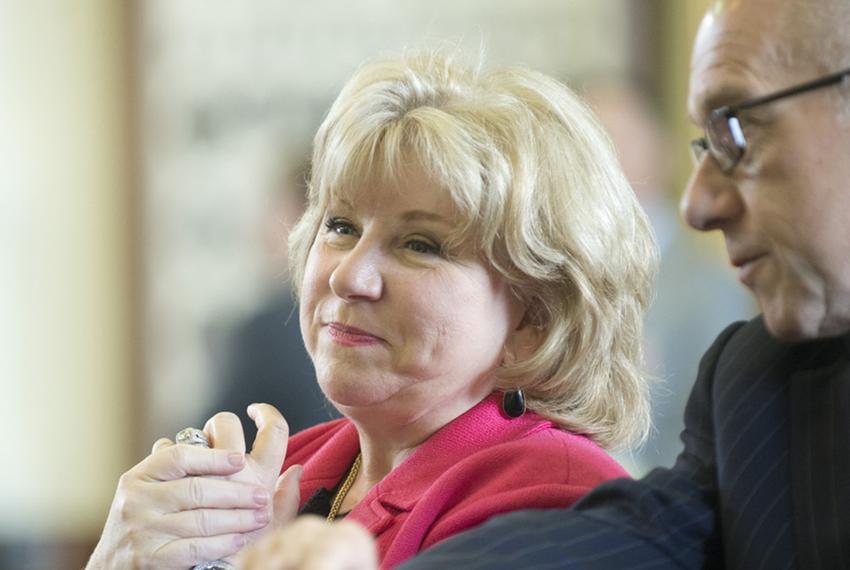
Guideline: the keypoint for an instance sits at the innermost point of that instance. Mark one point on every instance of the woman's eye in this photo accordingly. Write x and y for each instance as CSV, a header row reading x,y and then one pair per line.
x,y
340,227
422,246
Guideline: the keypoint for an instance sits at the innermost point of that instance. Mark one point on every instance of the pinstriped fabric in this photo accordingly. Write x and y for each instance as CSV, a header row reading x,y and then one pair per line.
x,y
763,481
751,444
821,470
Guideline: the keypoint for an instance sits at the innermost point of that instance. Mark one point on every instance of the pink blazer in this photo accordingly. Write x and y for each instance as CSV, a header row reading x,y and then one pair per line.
x,y
480,465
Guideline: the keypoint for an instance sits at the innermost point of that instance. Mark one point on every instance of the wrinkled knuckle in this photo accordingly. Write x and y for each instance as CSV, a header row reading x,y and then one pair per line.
x,y
126,480
131,538
203,522
125,505
194,550
196,492
123,508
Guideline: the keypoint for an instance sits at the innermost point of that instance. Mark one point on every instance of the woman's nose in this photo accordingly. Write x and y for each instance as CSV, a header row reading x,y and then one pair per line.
x,y
357,276
711,200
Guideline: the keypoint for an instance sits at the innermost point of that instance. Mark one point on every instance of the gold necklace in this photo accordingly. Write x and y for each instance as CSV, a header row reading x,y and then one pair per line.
x,y
343,490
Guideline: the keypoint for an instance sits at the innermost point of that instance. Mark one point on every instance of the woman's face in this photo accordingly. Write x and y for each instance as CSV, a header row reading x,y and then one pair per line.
x,y
389,320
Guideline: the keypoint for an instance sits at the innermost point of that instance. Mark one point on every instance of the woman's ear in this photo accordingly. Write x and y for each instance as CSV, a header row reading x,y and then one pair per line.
x,y
524,340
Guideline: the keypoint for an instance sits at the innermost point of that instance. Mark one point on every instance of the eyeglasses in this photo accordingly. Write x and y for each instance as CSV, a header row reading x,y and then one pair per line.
x,y
724,137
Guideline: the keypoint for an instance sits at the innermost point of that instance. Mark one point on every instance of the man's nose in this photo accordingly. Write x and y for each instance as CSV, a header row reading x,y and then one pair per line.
x,y
357,276
711,199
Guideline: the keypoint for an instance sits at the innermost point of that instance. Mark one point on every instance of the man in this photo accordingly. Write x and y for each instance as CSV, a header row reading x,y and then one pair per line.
x,y
764,478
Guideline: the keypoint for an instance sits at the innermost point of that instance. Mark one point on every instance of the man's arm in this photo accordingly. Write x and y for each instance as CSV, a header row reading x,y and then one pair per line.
x,y
666,519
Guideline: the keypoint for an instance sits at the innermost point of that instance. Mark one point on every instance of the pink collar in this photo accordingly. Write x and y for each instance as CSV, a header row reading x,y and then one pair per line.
x,y
483,426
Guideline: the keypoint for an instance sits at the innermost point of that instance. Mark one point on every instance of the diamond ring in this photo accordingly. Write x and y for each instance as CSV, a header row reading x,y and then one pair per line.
x,y
192,436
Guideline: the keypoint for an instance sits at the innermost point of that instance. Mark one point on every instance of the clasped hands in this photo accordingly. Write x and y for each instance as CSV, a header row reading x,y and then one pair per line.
x,y
185,504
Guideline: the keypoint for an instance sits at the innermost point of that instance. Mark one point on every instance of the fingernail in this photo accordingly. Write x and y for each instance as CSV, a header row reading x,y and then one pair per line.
x,y
252,409
261,497
236,459
239,541
261,515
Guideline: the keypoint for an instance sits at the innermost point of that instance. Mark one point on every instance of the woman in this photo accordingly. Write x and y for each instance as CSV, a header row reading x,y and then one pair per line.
x,y
472,270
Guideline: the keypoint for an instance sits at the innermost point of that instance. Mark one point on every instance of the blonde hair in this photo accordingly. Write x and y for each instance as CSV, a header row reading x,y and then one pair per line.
x,y
542,198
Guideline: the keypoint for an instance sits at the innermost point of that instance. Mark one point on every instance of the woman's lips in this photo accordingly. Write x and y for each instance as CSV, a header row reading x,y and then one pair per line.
x,y
351,336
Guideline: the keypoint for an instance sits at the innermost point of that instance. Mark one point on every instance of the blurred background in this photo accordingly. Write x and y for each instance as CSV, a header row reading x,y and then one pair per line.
x,y
152,158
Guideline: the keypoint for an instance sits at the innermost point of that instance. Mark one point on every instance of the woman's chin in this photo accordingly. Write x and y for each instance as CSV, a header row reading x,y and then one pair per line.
x,y
350,395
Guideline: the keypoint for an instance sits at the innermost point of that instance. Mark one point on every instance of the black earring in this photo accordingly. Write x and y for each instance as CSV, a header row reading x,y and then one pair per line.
x,y
513,403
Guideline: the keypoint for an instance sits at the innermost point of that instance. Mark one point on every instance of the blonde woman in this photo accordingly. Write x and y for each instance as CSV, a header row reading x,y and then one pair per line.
x,y
472,270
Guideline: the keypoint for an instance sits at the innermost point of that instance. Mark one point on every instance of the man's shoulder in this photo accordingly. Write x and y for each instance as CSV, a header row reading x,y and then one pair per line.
x,y
753,330
751,339
748,350
746,340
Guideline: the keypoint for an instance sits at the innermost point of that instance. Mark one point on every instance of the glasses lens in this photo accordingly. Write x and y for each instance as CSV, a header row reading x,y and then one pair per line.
x,y
698,149
725,139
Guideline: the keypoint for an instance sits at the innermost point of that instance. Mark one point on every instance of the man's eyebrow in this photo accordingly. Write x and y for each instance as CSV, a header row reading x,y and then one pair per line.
x,y
715,98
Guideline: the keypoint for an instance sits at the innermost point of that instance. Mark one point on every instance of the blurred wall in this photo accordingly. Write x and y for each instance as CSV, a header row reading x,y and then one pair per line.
x,y
65,274
680,21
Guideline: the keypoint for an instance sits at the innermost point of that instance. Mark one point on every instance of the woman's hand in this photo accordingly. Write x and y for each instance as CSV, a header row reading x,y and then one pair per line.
x,y
167,512
310,543
183,504
262,465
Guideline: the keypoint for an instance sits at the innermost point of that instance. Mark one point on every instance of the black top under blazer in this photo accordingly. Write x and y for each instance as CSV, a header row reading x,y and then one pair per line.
x,y
763,480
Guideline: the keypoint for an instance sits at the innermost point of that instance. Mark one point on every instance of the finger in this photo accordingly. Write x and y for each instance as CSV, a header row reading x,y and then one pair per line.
x,y
187,552
271,553
269,448
342,546
310,543
287,548
287,495
205,492
161,443
213,522
225,431
178,461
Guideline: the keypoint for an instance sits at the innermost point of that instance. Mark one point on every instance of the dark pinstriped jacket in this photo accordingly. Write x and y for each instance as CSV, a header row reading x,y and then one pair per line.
x,y
763,481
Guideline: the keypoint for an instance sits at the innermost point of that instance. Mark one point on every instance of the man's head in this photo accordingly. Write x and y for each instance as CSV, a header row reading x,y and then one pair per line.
x,y
784,208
